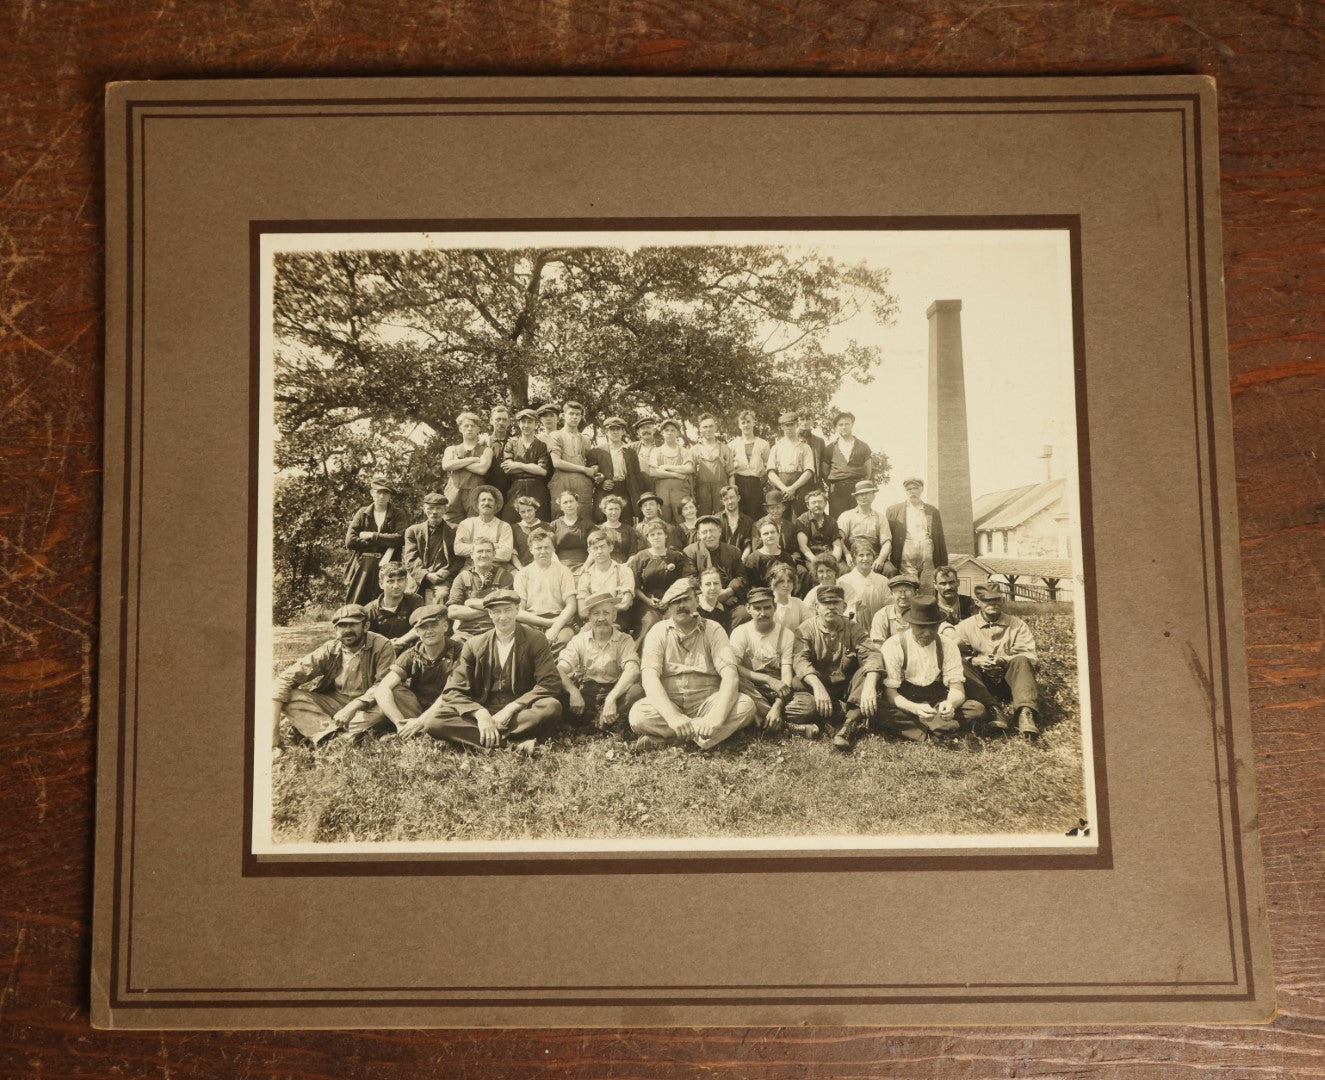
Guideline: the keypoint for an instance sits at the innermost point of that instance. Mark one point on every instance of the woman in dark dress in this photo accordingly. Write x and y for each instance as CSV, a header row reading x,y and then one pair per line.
x,y
376,535
655,568
570,532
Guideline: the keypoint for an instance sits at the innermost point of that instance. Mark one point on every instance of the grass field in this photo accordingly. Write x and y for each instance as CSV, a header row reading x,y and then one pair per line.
x,y
581,786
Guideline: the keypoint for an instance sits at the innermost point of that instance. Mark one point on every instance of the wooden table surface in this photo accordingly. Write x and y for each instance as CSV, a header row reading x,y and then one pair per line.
x,y
1269,59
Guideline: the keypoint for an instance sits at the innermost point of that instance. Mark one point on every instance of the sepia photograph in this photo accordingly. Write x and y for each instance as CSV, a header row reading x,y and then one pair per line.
x,y
669,540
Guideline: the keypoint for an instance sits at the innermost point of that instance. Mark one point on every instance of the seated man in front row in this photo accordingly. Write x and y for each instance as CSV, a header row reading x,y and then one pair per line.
x,y
691,682
840,665
418,677
599,667
342,673
923,680
765,652
504,687
1002,653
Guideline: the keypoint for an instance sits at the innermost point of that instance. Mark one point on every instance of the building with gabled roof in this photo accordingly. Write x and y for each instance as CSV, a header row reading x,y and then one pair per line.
x,y
1030,521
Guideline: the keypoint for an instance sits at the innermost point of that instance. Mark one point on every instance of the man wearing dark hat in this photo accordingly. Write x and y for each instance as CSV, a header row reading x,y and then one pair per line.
x,y
923,683
505,686
672,467
389,614
915,534
430,556
845,462
618,469
1001,649
775,507
527,463
791,463
840,667
649,506
418,677
486,525
765,653
708,551
571,468
646,438
375,535
863,522
891,619
466,464
599,667
691,681
339,676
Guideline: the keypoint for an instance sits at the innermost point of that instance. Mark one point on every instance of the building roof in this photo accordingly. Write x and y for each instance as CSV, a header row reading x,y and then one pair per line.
x,y
1024,566
958,561
1009,508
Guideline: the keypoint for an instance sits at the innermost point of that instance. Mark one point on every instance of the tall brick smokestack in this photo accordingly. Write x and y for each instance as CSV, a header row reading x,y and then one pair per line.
x,y
948,485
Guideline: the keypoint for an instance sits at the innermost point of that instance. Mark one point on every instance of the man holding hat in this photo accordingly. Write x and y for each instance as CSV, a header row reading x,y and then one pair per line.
x,y
341,674
618,468
891,619
863,522
840,667
430,556
845,462
709,552
418,677
923,683
1002,654
527,463
791,463
599,667
375,536
486,525
765,655
915,534
571,468
466,464
691,681
505,685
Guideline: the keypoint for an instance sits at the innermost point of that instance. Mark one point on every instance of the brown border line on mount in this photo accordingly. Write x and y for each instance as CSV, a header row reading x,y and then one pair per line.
x,y
1183,100
416,864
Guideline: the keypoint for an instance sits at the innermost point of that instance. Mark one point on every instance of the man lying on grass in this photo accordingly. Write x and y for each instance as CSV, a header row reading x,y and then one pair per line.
x,y
840,665
342,673
599,667
691,682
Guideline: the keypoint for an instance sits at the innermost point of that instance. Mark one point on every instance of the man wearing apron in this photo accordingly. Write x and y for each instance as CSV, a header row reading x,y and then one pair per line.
x,y
671,466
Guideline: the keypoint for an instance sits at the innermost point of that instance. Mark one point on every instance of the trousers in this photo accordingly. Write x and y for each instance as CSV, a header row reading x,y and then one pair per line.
x,y
1017,683
894,721
312,714
695,698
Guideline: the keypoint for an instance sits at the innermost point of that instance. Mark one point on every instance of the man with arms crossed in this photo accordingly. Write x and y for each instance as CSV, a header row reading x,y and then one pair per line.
x,y
691,682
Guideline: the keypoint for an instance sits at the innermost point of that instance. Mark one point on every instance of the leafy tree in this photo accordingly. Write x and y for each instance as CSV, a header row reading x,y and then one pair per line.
x,y
371,345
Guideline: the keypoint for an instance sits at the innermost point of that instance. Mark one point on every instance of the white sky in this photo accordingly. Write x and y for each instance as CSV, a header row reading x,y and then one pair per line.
x,y
1015,289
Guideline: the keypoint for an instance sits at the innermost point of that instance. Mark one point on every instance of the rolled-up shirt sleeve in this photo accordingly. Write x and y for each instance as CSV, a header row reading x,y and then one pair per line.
x,y
321,664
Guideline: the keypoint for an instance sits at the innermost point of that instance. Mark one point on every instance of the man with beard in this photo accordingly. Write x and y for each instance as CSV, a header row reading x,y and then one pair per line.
x,y
840,665
816,532
691,681
342,673
430,555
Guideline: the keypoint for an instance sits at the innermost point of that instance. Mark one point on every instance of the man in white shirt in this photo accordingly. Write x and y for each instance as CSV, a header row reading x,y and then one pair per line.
x,y
486,525
691,681
765,652
915,534
871,588
1002,653
923,683
891,620
599,666
546,588
791,463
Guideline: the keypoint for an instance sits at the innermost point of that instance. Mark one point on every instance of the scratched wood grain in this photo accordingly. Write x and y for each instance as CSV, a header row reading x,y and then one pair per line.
x,y
1268,56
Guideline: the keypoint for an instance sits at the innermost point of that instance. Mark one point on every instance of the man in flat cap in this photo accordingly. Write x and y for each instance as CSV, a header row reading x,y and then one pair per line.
x,y
330,689
646,438
923,682
845,462
466,464
571,468
504,686
672,466
791,463
709,552
892,618
389,614
765,652
1001,650
375,535
618,469
599,667
527,464
418,677
649,506
840,666
915,534
863,522
430,556
691,681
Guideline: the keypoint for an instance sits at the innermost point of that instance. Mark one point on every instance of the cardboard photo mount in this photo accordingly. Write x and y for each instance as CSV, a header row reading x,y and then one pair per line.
x,y
1163,920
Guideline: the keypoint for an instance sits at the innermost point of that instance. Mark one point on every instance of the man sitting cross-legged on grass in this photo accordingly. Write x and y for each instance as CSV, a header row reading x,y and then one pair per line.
x,y
599,667
415,683
765,653
691,682
923,680
546,588
505,686
891,619
342,673
472,586
1001,649
840,665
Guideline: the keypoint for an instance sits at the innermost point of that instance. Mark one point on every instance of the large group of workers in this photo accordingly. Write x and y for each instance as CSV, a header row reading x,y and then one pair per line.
x,y
665,591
